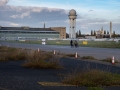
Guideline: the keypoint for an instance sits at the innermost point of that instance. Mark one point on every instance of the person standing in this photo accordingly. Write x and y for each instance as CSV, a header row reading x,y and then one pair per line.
x,y
71,43
75,43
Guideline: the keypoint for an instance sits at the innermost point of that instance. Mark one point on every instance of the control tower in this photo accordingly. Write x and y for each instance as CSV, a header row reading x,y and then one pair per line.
x,y
72,19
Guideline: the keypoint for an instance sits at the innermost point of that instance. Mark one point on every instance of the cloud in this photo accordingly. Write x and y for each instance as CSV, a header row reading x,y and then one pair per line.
x,y
84,27
31,16
7,23
90,10
88,18
25,14
14,24
3,2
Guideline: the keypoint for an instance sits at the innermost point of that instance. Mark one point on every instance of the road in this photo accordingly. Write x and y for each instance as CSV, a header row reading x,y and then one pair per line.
x,y
98,53
15,77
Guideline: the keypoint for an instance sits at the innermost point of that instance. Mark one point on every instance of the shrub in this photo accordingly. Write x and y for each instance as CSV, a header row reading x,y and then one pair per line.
x,y
108,59
42,60
55,62
8,53
71,55
88,57
92,78
34,59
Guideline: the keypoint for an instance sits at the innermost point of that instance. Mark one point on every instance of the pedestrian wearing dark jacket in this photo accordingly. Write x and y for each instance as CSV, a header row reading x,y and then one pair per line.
x,y
71,43
75,43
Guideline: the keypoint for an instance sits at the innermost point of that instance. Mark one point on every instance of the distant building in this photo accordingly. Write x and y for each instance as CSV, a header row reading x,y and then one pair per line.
x,y
111,29
90,37
61,30
99,33
26,32
25,27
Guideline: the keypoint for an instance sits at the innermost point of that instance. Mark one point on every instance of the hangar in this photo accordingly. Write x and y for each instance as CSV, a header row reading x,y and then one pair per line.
x,y
26,32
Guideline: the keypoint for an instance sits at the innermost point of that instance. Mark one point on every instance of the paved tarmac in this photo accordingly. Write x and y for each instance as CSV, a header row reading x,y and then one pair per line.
x,y
15,77
98,53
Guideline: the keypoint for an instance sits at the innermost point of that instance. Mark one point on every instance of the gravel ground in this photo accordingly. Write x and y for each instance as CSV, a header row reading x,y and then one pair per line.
x,y
15,77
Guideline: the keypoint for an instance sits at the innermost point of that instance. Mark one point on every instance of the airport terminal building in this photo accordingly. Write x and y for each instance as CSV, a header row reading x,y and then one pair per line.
x,y
16,33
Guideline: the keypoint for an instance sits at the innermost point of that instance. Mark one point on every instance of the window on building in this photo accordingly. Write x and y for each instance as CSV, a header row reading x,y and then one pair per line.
x,y
5,31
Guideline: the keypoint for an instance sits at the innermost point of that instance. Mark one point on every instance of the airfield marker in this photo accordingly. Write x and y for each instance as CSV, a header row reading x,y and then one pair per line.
x,y
113,61
76,55
38,49
54,51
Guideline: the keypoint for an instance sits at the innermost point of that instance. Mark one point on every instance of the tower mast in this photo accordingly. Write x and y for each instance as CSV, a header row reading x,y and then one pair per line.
x,y
72,19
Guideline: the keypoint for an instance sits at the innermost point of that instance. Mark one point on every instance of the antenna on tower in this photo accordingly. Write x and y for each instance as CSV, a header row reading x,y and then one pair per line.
x,y
44,25
102,28
110,29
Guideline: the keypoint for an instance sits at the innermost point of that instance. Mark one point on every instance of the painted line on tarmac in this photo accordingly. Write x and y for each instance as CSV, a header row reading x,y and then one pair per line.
x,y
3,88
54,84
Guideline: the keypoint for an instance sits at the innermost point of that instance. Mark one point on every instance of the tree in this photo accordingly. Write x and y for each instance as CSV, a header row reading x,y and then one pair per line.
x,y
91,32
94,33
114,35
67,35
107,32
104,31
79,33
113,32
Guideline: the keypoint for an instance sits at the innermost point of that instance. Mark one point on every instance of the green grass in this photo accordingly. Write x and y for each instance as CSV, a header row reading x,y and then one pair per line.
x,y
92,78
101,44
57,42
95,88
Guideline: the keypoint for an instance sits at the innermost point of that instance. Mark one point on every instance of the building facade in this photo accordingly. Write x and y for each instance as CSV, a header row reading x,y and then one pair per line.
x,y
61,30
99,33
26,32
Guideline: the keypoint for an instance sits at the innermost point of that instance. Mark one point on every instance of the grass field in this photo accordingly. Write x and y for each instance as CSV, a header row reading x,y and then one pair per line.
x,y
102,44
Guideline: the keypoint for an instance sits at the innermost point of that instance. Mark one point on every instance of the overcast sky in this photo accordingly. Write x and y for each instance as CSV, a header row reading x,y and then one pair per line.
x,y
91,14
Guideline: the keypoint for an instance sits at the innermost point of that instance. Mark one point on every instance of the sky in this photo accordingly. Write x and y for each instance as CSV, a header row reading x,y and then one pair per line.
x,y
91,14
